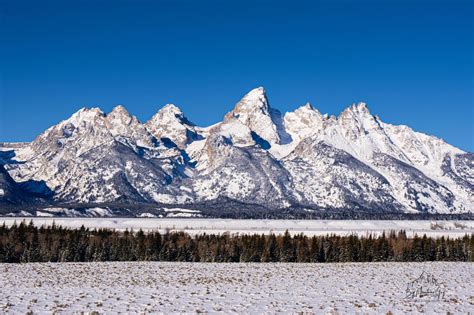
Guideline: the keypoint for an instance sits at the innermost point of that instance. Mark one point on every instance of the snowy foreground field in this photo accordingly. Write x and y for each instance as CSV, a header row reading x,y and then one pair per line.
x,y
239,288
456,228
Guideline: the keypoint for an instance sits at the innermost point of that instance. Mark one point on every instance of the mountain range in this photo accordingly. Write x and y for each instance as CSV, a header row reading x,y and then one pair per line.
x,y
256,159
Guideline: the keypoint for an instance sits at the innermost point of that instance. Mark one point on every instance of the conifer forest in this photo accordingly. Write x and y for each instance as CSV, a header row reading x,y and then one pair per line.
x,y
25,242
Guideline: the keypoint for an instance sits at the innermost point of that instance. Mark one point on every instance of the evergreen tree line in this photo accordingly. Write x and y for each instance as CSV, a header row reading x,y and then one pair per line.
x,y
27,243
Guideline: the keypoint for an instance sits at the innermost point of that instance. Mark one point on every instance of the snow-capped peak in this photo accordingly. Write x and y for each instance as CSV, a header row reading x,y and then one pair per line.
x,y
171,109
84,118
356,119
121,123
254,101
169,123
308,106
360,106
119,114
119,109
254,111
303,122
171,113
85,114
256,96
356,109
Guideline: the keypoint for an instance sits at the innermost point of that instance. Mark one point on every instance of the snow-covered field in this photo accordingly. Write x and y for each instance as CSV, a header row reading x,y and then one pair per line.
x,y
308,227
231,288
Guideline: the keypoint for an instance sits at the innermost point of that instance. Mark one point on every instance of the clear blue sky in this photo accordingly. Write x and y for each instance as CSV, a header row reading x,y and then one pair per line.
x,y
411,61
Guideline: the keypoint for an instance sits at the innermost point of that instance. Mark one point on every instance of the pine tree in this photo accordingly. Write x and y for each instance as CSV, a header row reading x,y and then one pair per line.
x,y
303,250
287,252
269,253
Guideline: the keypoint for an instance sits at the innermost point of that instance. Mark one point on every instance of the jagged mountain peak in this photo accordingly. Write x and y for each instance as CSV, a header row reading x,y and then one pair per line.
x,y
303,121
172,109
126,127
120,114
89,128
119,109
254,111
254,101
359,108
83,119
170,113
91,110
171,125
85,114
357,119
306,109
257,93
308,106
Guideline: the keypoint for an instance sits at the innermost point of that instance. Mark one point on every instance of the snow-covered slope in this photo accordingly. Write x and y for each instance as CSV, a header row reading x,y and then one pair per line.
x,y
171,126
255,156
247,174
94,157
330,177
254,111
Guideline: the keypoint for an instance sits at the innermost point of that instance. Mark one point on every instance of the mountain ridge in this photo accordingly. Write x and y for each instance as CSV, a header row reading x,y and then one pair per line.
x,y
255,155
